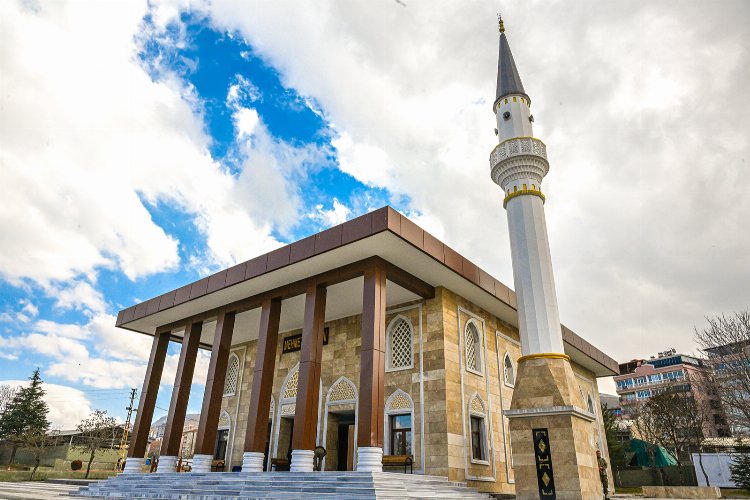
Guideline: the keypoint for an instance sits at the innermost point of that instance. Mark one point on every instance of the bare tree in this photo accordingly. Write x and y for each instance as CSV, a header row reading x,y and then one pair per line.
x,y
7,393
97,431
644,425
674,420
726,344
38,444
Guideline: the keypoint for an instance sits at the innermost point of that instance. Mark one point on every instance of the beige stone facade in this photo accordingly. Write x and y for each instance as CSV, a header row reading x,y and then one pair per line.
x,y
442,389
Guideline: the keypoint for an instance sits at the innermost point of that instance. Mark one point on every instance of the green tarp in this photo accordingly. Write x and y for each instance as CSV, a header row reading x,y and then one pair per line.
x,y
644,451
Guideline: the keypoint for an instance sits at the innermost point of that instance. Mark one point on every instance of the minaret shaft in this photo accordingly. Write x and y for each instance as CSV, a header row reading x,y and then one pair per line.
x,y
538,317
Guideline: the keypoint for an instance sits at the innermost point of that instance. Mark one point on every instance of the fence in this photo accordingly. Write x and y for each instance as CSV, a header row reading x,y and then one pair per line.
x,y
716,466
633,477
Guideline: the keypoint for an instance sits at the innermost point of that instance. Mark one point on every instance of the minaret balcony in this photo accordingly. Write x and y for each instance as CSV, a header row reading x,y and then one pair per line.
x,y
517,158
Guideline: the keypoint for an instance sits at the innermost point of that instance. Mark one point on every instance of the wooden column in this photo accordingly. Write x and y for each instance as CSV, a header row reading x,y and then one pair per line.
x,y
147,402
263,374
372,371
308,388
205,439
170,445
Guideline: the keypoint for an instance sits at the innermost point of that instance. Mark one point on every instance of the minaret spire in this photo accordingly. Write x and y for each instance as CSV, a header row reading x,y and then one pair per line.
x,y
508,79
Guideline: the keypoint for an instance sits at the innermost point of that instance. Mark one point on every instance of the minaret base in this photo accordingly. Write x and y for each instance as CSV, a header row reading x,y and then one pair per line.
x,y
547,404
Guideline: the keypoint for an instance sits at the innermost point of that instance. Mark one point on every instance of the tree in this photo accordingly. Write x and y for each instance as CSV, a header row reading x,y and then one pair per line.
x,y
726,343
6,396
674,420
38,444
97,431
26,413
614,447
740,468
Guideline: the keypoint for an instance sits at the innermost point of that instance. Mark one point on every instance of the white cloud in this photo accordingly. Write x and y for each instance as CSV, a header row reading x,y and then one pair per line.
x,y
337,214
67,405
89,141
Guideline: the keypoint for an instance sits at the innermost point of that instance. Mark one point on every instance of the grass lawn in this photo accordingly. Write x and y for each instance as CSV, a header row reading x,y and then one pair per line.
x,y
734,493
629,490
47,473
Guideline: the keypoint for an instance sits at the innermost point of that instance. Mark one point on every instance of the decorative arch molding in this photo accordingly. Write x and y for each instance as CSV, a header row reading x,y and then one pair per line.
x,y
225,421
342,392
399,344
398,403
477,406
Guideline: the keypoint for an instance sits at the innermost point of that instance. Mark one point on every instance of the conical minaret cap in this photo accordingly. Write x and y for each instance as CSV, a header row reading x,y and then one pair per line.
x,y
508,79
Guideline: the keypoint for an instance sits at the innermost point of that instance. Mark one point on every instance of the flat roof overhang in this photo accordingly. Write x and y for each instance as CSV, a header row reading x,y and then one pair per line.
x,y
383,234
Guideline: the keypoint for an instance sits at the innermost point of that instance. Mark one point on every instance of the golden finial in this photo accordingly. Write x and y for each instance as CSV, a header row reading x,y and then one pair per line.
x,y
500,24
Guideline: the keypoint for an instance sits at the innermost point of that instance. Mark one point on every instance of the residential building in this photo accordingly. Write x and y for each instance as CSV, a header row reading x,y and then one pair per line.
x,y
640,379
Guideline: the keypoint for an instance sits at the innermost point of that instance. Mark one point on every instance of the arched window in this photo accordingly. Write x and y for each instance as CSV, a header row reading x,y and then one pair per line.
x,y
399,424
477,429
473,348
399,352
509,371
233,372
590,404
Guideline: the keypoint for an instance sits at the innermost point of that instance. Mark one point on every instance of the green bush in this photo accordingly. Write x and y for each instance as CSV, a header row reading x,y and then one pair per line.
x,y
740,468
76,465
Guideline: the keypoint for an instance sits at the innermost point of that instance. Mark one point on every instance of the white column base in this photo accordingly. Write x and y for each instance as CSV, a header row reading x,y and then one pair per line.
x,y
167,464
252,461
369,459
302,461
133,465
202,463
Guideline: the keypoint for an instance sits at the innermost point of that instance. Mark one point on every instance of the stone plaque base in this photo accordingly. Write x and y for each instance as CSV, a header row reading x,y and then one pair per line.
x,y
546,396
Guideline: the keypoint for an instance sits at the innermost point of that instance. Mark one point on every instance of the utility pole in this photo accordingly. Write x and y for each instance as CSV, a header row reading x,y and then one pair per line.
x,y
123,453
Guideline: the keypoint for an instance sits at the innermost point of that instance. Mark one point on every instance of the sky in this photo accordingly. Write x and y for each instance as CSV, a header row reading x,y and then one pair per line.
x,y
136,137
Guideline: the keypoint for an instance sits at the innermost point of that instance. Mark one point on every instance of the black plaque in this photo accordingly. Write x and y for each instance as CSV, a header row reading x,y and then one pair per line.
x,y
293,343
543,455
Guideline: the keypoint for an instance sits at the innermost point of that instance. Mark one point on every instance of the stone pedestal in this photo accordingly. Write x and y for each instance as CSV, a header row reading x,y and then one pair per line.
x,y
369,459
166,464
302,461
252,461
202,463
133,466
547,397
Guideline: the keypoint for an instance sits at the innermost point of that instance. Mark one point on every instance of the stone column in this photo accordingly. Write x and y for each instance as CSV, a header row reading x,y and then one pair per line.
x,y
205,439
170,444
308,389
260,394
372,373
142,426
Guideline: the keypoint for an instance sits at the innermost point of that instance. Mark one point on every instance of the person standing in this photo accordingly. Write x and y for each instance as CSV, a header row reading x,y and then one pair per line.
x,y
603,474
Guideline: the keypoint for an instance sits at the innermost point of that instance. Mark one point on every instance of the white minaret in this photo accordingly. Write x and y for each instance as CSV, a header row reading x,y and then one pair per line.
x,y
519,163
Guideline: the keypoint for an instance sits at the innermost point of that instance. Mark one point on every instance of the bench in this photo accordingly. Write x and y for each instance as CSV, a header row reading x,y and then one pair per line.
x,y
217,465
278,464
399,460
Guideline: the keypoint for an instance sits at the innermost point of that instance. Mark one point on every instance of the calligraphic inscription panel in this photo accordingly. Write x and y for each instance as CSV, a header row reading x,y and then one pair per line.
x,y
543,456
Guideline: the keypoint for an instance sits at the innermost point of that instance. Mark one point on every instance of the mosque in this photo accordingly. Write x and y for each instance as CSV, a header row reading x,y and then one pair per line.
x,y
374,347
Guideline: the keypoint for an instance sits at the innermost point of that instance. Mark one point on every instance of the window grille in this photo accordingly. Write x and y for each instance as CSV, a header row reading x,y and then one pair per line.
x,y
400,402
510,375
233,371
473,350
400,343
291,386
343,391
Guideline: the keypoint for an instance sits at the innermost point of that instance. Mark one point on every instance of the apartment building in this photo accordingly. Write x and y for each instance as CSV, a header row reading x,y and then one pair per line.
x,y
640,379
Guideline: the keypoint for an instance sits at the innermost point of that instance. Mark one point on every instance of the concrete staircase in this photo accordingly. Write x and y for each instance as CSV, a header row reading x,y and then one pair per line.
x,y
279,485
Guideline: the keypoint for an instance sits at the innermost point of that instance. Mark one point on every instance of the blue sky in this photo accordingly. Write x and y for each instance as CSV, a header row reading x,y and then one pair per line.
x,y
144,144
